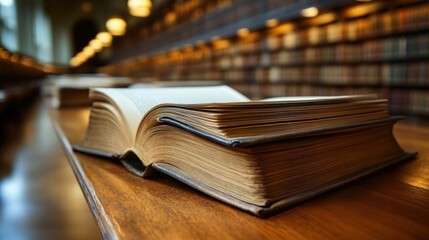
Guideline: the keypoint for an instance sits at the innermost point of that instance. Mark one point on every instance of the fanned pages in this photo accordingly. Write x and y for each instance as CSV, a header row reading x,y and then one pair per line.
x,y
260,156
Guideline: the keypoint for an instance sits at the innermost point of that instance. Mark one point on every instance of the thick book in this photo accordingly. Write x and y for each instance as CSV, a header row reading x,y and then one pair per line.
x,y
259,156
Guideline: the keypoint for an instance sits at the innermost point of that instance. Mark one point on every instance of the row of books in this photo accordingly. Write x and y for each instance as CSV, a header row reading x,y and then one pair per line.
x,y
246,10
384,50
332,74
19,81
389,48
411,48
217,18
16,68
402,20
393,47
414,102
413,74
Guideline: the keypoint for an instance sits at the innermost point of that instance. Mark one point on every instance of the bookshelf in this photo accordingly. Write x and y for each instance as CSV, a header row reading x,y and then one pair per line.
x,y
16,69
349,48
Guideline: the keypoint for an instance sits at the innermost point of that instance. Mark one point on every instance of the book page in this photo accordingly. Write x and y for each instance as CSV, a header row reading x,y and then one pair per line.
x,y
135,103
146,99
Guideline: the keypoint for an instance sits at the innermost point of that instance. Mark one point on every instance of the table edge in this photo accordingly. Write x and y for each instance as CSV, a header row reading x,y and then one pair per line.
x,y
105,225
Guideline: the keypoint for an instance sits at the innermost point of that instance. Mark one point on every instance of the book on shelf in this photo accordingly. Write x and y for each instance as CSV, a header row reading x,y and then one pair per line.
x,y
259,156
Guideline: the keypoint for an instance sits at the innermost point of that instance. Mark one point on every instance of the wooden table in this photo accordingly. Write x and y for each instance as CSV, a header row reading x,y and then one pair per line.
x,y
390,204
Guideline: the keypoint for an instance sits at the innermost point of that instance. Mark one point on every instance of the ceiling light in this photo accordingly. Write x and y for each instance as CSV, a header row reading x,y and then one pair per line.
x,y
243,32
116,26
88,51
75,61
271,22
139,8
363,9
140,11
105,38
310,12
139,3
96,44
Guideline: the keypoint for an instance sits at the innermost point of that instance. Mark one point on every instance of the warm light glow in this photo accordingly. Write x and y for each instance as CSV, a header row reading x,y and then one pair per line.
x,y
363,9
253,36
363,0
81,55
272,23
243,32
74,62
14,58
88,51
310,12
96,44
48,68
26,61
105,38
78,60
139,8
323,19
116,26
415,181
281,29
170,18
140,12
187,48
5,55
175,53
222,43
139,3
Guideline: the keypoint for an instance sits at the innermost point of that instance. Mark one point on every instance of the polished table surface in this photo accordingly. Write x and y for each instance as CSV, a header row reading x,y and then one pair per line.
x,y
389,204
39,195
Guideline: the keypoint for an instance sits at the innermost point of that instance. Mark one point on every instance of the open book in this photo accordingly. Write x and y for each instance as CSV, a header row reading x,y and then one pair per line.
x,y
260,156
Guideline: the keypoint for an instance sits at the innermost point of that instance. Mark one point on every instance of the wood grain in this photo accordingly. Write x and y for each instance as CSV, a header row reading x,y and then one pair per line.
x,y
392,203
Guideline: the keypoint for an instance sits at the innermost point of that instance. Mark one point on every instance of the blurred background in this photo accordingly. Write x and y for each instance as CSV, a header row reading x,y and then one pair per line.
x,y
262,48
